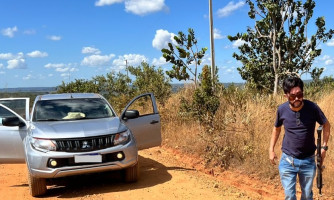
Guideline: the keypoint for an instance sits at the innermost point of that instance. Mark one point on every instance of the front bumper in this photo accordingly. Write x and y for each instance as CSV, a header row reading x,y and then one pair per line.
x,y
38,161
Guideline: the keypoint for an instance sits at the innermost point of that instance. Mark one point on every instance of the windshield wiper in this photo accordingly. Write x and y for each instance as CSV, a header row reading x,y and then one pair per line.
x,y
44,120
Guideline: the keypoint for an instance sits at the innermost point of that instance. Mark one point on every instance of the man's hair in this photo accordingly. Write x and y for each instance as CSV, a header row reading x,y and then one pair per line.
x,y
292,82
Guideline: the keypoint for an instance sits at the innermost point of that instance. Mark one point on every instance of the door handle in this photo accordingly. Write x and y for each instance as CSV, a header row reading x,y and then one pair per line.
x,y
154,122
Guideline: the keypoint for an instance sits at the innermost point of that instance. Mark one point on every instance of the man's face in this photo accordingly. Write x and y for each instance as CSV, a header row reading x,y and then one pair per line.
x,y
295,97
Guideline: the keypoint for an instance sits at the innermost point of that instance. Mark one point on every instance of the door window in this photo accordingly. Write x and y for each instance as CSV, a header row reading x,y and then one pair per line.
x,y
18,105
144,105
4,113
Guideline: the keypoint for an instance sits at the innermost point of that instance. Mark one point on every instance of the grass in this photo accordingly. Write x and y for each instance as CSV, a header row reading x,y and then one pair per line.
x,y
240,135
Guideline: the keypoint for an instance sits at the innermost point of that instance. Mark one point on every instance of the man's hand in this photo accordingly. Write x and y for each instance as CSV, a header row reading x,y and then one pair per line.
x,y
323,155
273,140
272,157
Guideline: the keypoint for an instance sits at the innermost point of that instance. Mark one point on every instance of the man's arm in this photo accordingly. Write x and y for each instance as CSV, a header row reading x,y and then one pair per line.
x,y
326,132
273,140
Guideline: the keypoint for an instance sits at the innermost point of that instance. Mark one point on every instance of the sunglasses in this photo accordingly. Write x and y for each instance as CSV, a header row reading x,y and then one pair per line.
x,y
298,118
293,96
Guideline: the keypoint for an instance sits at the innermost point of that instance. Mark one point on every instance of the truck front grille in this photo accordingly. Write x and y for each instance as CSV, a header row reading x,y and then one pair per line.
x,y
84,144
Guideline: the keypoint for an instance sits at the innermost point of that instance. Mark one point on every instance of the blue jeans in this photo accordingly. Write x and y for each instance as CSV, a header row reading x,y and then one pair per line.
x,y
289,167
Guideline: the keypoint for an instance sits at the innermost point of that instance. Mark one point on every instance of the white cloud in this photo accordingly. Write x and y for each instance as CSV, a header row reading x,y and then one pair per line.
x,y
90,50
6,56
97,60
59,65
18,63
132,60
162,38
330,43
59,69
143,7
329,62
28,77
206,60
217,34
107,2
229,70
9,32
159,62
229,8
65,75
325,57
238,43
37,54
54,37
1,66
67,69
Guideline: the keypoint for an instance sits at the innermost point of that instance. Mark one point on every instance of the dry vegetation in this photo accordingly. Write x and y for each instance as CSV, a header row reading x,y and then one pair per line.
x,y
239,137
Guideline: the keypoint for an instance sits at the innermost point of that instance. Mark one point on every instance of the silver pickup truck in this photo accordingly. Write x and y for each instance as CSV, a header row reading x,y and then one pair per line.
x,y
78,133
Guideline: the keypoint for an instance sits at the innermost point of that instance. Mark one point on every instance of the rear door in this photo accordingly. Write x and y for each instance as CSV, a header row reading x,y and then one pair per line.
x,y
11,138
147,127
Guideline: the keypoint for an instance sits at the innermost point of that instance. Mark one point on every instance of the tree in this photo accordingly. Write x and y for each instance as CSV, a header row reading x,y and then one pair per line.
x,y
205,103
77,86
116,88
279,45
182,55
150,79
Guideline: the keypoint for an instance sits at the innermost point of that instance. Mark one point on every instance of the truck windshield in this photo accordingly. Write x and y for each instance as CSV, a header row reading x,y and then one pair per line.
x,y
71,109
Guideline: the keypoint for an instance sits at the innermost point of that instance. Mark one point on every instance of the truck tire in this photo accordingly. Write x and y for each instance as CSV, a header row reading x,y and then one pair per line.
x,y
131,174
37,186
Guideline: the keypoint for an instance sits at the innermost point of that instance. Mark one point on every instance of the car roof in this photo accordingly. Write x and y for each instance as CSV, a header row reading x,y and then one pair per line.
x,y
68,96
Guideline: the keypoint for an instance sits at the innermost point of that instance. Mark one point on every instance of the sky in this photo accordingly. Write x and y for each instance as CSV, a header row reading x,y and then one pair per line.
x,y
45,42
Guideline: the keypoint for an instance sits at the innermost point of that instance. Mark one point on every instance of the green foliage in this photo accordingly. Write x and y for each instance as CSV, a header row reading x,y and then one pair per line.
x,y
119,89
114,87
150,79
182,55
78,86
204,103
278,45
319,88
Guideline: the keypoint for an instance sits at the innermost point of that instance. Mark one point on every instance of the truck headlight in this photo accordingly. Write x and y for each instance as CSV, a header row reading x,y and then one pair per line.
x,y
121,138
43,144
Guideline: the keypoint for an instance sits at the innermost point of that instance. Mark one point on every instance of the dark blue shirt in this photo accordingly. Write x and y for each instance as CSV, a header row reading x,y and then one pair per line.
x,y
299,127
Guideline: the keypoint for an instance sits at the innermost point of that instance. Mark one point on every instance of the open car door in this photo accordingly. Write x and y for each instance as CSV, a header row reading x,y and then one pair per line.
x,y
141,116
13,129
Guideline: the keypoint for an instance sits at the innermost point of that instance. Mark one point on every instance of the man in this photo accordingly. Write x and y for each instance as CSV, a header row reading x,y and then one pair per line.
x,y
299,117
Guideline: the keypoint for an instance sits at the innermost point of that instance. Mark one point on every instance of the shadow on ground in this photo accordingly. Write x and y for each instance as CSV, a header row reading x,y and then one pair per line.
x,y
151,173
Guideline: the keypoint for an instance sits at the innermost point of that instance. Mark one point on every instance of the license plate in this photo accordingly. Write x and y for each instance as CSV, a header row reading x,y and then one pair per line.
x,y
90,158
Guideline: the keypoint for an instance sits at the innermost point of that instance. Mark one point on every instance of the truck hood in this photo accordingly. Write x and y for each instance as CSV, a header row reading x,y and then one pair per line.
x,y
77,128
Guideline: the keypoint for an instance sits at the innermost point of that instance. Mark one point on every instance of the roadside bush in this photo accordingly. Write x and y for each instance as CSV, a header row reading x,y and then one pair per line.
x,y
204,103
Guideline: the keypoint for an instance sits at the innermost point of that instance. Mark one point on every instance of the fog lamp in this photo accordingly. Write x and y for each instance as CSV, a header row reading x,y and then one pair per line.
x,y
119,155
53,163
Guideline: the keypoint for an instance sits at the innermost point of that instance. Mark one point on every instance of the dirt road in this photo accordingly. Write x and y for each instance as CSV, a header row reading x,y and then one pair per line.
x,y
165,174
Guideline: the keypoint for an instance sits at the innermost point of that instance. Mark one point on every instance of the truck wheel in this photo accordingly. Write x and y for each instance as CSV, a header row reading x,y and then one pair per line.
x,y
131,174
37,186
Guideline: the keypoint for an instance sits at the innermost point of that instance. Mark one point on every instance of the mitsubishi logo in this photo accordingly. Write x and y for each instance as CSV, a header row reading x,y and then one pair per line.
x,y
85,145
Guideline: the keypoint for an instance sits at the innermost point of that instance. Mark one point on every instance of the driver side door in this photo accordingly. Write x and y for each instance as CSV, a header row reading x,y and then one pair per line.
x,y
12,137
146,126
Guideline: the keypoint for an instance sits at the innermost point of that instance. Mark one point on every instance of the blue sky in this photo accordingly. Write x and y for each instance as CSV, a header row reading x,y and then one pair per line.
x,y
45,42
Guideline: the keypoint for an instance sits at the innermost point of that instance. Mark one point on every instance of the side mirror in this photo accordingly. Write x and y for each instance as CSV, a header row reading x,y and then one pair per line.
x,y
131,114
12,121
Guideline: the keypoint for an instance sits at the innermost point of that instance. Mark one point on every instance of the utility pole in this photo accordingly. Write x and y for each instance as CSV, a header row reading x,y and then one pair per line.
x,y
127,71
126,67
213,65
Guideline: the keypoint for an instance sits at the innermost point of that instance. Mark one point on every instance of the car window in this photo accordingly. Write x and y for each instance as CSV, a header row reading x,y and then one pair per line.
x,y
71,109
17,105
4,113
144,105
